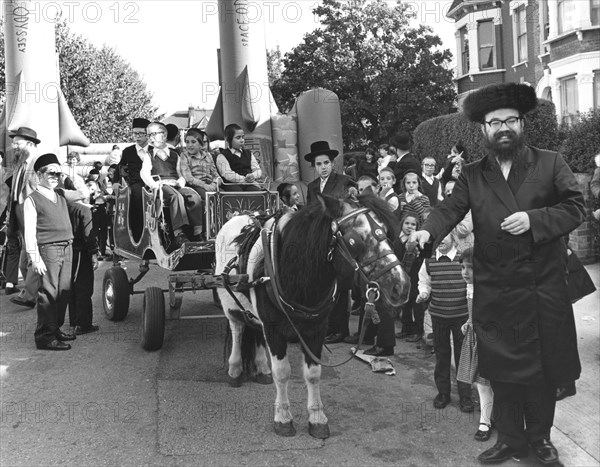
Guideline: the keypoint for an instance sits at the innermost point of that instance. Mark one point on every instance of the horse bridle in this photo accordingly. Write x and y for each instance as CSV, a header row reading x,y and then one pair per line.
x,y
349,250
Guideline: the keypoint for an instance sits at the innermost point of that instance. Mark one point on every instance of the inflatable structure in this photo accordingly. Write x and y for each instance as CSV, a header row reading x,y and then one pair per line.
x,y
33,95
279,141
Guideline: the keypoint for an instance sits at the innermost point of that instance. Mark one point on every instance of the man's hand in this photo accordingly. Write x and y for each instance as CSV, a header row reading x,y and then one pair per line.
x,y
249,178
39,266
352,191
422,297
95,262
516,224
421,237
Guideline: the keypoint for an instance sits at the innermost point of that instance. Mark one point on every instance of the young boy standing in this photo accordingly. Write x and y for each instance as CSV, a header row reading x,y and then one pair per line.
x,y
48,239
441,280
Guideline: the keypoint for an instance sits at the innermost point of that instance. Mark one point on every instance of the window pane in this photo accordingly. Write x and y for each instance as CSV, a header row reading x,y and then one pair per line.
x,y
486,57
486,33
522,48
597,90
566,15
464,50
595,12
569,98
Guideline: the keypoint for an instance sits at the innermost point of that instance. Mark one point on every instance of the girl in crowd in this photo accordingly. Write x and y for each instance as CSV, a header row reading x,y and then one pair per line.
x,y
411,199
289,196
197,165
368,166
412,313
467,368
387,179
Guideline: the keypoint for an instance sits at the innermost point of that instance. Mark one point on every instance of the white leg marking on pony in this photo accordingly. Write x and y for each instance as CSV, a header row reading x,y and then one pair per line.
x,y
235,359
281,375
312,377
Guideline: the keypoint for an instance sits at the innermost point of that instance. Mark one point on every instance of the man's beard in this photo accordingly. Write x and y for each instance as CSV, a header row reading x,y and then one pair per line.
x,y
506,150
20,154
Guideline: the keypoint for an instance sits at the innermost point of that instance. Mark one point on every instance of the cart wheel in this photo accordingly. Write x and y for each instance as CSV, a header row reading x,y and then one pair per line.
x,y
153,319
116,293
216,299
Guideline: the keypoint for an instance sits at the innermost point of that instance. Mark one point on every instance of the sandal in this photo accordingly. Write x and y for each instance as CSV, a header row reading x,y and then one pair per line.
x,y
482,435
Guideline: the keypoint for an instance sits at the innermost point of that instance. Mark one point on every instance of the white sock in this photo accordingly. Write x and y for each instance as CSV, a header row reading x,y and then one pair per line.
x,y
9,284
486,403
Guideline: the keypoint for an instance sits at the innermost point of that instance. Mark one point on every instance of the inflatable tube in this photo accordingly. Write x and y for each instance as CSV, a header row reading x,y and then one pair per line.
x,y
285,142
319,119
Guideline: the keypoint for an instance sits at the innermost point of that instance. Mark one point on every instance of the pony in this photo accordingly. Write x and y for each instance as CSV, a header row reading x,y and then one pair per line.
x,y
297,268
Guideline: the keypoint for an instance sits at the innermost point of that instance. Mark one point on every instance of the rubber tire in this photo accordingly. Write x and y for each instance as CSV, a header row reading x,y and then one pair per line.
x,y
116,279
153,319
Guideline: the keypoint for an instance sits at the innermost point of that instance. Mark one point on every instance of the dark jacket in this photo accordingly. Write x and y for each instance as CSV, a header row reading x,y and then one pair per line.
x,y
129,167
337,187
522,314
84,236
408,163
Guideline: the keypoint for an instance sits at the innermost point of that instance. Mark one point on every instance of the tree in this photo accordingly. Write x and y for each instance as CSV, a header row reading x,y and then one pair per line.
x,y
102,90
387,75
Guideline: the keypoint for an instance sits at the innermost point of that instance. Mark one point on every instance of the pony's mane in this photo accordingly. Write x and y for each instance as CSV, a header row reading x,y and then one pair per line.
x,y
305,274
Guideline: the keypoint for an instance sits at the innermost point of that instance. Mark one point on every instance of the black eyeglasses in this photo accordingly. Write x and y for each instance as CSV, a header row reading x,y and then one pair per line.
x,y
54,174
138,133
510,122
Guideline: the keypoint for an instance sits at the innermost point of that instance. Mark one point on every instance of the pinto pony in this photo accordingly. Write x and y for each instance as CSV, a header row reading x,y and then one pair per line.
x,y
298,265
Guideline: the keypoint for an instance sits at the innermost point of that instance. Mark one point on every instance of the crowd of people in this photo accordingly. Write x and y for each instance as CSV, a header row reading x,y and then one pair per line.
x,y
492,249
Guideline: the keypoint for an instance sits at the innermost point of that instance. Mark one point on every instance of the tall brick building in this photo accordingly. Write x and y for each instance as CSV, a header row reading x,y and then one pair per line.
x,y
553,45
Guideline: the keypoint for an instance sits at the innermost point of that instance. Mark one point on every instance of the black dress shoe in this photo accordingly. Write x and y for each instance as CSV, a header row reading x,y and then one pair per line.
x,y
86,329
500,452
10,290
441,401
466,405
22,302
65,336
545,451
376,351
334,338
484,435
53,345
563,392
354,340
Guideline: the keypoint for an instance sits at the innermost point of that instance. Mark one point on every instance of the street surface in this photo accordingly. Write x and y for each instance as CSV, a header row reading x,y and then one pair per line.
x,y
109,402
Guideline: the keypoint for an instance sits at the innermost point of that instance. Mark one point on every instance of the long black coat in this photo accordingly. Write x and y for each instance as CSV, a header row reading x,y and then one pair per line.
x,y
522,314
337,186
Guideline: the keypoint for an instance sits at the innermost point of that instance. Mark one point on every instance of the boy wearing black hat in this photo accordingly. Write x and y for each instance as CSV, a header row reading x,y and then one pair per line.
x,y
523,201
128,169
329,183
48,239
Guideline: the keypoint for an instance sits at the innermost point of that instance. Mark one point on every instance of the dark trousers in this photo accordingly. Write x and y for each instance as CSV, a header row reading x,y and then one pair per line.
x,y
443,330
523,413
53,290
82,289
384,331
412,316
339,317
136,210
14,243
185,206
100,222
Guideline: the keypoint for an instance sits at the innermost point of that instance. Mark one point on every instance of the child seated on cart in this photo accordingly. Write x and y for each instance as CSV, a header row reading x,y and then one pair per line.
x,y
185,205
197,165
238,167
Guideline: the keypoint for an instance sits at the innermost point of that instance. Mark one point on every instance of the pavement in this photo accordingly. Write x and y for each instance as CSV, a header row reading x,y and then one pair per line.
x,y
109,402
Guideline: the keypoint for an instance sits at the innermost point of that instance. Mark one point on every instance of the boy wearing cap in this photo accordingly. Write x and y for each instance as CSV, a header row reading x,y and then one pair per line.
x,y
129,168
48,239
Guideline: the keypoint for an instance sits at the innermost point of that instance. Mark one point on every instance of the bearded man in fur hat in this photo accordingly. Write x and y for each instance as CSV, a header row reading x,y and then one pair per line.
x,y
523,201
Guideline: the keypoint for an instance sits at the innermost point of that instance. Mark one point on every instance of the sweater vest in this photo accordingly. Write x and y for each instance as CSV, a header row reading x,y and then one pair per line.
x,y
431,190
240,165
167,169
53,221
448,289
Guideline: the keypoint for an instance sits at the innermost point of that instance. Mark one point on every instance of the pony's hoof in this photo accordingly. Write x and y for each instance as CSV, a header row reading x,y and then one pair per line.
x,y
284,429
236,382
318,430
263,379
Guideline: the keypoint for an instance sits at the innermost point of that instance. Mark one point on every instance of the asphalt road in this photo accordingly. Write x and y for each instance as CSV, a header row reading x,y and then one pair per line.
x,y
109,402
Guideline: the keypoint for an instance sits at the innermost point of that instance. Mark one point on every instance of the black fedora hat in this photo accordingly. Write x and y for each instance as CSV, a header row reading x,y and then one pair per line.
x,y
44,160
320,148
26,133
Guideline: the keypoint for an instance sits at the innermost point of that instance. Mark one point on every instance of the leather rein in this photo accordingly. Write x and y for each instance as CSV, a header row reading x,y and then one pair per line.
x,y
345,245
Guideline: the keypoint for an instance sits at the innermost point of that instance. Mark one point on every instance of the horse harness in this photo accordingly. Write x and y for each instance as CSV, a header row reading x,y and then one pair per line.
x,y
349,245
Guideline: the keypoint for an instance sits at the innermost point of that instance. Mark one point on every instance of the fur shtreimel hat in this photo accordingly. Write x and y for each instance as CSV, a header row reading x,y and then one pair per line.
x,y
499,96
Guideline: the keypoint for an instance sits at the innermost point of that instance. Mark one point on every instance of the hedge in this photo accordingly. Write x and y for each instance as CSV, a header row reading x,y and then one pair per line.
x,y
582,142
435,137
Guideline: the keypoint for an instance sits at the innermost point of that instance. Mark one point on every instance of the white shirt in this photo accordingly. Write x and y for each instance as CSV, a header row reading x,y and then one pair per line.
x,y
323,183
505,167
431,179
